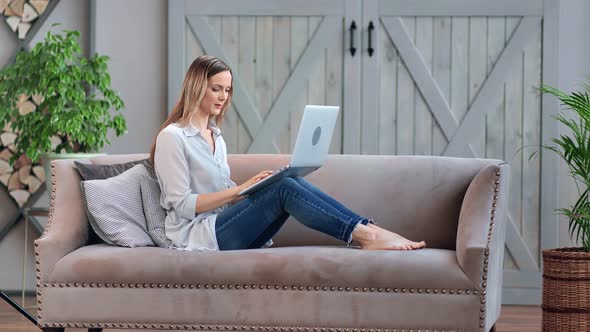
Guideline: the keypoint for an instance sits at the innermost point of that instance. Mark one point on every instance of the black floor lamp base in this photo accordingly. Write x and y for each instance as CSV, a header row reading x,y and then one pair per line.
x,y
20,309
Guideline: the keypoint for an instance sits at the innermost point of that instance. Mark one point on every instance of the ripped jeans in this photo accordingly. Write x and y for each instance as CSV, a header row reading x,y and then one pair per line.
x,y
253,221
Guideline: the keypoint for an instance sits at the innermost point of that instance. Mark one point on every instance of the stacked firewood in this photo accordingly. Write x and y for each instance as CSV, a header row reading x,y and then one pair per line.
x,y
23,178
20,14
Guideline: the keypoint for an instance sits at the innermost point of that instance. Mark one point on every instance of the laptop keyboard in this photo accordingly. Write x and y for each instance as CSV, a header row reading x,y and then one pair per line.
x,y
274,173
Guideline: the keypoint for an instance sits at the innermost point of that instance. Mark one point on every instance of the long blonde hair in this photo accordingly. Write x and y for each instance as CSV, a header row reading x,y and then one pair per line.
x,y
193,91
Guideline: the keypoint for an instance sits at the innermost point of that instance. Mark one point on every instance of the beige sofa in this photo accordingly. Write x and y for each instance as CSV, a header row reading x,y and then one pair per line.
x,y
306,281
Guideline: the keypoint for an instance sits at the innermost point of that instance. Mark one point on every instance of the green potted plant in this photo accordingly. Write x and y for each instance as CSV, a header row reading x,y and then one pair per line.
x,y
58,102
566,271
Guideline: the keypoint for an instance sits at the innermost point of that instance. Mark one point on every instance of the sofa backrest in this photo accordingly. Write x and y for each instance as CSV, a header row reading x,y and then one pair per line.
x,y
418,197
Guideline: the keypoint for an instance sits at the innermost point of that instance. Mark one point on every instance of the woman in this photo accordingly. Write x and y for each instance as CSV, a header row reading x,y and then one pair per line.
x,y
204,209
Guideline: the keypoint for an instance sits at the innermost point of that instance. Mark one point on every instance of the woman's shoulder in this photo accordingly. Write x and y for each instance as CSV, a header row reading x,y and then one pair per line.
x,y
170,135
172,129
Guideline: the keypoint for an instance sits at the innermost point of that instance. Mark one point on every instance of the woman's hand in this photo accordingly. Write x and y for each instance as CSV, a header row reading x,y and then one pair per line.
x,y
210,201
237,199
254,180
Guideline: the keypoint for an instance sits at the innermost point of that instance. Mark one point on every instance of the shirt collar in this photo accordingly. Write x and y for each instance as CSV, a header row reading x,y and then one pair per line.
x,y
190,130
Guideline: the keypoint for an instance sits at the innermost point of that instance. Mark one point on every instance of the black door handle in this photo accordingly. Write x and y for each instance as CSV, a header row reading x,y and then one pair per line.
x,y
352,29
370,49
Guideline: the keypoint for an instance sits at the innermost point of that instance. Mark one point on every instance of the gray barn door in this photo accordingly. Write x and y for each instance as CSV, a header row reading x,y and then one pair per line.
x,y
458,78
284,55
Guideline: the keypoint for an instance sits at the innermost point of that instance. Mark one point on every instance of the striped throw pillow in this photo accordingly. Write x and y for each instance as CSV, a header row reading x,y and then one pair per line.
x,y
155,214
114,208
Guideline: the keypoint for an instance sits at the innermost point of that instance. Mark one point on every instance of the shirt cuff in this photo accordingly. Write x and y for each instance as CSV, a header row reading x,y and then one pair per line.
x,y
190,205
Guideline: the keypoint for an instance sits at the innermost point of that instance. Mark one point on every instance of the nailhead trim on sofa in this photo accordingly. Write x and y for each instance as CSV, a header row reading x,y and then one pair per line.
x,y
218,327
255,328
486,253
36,245
269,287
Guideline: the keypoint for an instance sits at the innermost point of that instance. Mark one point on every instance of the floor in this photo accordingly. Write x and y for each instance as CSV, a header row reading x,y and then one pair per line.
x,y
512,319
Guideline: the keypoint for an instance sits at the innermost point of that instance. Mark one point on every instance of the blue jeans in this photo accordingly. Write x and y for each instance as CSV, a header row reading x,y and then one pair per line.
x,y
253,221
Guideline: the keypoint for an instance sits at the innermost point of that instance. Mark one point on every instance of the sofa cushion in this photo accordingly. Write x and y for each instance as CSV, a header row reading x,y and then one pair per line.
x,y
114,208
99,172
155,215
285,266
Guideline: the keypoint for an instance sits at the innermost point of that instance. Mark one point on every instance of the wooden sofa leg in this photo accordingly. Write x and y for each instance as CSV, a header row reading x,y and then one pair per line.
x,y
493,329
95,329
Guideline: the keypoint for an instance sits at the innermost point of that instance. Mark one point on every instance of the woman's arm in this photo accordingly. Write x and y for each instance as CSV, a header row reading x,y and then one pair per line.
x,y
171,165
206,202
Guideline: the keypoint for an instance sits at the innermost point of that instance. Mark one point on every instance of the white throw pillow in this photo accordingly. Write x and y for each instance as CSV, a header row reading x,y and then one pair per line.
x,y
115,210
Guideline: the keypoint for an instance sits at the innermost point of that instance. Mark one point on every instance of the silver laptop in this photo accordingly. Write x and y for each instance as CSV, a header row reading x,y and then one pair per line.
x,y
311,147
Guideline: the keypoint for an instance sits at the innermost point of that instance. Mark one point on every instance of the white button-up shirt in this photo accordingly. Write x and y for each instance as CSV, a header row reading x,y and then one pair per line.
x,y
186,167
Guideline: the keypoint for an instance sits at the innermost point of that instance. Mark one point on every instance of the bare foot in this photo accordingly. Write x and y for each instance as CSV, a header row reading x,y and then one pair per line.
x,y
412,244
372,237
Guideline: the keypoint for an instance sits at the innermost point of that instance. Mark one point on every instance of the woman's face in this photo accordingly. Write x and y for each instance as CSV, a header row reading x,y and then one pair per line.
x,y
218,87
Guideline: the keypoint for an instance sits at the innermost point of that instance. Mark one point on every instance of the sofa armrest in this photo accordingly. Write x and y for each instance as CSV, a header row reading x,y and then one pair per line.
x,y
481,235
482,221
67,228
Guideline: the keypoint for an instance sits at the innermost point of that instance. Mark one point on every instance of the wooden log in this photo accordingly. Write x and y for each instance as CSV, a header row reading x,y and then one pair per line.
x,y
22,161
29,14
33,183
22,98
39,172
4,179
27,107
20,196
5,154
14,182
9,12
38,99
55,141
7,138
39,5
5,168
17,7
23,28
12,21
24,173
3,5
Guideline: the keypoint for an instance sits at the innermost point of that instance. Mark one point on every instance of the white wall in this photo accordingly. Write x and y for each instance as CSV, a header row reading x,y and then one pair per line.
x,y
134,34
8,44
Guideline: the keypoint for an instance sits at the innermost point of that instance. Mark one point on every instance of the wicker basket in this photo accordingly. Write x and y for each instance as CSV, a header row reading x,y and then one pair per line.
x,y
566,290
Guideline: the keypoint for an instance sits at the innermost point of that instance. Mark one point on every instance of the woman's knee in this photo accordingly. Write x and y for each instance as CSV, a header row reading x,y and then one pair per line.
x,y
284,188
288,182
300,179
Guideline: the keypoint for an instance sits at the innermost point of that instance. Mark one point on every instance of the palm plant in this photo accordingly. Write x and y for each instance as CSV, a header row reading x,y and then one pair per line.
x,y
574,149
